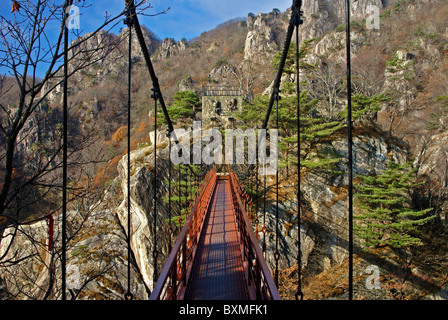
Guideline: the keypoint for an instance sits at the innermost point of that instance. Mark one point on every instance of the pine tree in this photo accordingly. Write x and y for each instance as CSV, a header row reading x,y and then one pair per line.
x,y
364,108
439,118
315,129
385,214
185,105
290,62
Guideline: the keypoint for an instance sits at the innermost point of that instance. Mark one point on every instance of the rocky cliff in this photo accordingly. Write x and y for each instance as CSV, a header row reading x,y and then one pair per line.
x,y
143,215
170,48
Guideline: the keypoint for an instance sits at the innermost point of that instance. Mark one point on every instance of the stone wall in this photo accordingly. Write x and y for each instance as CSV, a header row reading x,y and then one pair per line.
x,y
220,107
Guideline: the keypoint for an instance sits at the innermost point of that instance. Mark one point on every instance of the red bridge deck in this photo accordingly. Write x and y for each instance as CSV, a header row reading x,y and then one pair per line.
x,y
218,272
217,255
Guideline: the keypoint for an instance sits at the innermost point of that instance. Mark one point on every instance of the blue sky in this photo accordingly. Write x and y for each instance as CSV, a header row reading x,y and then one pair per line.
x,y
186,18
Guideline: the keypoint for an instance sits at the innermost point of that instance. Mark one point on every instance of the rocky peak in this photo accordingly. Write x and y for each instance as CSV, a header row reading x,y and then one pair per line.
x,y
319,17
186,84
221,74
151,41
170,48
335,9
90,42
323,15
260,36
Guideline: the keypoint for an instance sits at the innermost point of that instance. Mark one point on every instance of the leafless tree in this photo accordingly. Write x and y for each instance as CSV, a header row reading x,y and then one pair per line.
x,y
326,83
31,58
368,72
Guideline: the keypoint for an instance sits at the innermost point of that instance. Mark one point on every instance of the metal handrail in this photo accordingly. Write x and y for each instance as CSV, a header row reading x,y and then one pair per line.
x,y
175,275
259,281
222,91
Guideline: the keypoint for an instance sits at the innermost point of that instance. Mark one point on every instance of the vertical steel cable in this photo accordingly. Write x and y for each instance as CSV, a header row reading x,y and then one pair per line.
x,y
155,252
299,292
350,156
276,254
185,192
189,186
180,200
264,209
257,204
64,154
170,228
128,22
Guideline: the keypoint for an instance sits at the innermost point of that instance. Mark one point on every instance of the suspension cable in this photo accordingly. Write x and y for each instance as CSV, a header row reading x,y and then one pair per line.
x,y
188,182
298,21
128,22
257,203
264,209
155,253
276,253
186,194
278,78
350,155
179,196
64,154
170,228
147,58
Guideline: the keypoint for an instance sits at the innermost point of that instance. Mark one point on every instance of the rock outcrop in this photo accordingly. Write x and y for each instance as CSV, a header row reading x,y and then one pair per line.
x,y
186,84
143,216
260,39
323,16
171,47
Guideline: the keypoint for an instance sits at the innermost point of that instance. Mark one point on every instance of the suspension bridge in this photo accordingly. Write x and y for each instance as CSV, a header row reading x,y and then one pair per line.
x,y
217,254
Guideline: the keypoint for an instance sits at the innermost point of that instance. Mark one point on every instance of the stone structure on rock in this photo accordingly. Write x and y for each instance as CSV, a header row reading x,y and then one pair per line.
x,y
220,103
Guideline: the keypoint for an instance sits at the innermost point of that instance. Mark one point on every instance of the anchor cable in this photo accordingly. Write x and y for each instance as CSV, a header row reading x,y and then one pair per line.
x,y
298,21
276,253
170,228
64,154
128,22
155,253
350,154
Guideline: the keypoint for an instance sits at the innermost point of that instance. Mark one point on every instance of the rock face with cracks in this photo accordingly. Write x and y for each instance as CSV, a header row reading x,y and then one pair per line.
x,y
143,216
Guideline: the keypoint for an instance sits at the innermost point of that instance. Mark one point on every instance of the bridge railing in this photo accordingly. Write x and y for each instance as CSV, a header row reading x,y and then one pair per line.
x,y
259,281
176,272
